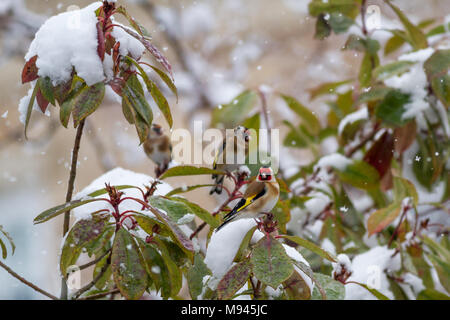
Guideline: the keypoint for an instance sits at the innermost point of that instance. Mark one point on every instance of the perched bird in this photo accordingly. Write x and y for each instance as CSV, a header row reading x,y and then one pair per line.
x,y
235,144
259,198
158,148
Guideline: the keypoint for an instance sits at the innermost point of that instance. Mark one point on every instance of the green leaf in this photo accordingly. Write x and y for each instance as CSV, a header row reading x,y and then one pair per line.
x,y
195,276
381,218
334,290
437,69
395,42
271,265
10,240
346,7
30,106
176,233
68,105
308,271
134,95
142,128
176,276
103,280
417,37
308,117
296,287
323,29
82,233
392,69
326,88
87,101
243,248
437,248
365,71
233,280
339,23
175,210
198,211
128,272
392,108
375,93
443,270
157,95
375,292
167,80
188,171
156,268
359,174
423,269
232,114
149,225
127,111
403,188
430,294
310,246
46,87
55,211
4,251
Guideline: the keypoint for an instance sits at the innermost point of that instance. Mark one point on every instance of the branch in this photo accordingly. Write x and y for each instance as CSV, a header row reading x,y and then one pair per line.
x,y
70,187
21,279
87,265
100,295
94,281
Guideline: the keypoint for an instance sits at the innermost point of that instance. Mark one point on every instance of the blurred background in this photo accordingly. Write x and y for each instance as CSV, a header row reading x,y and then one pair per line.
x,y
217,49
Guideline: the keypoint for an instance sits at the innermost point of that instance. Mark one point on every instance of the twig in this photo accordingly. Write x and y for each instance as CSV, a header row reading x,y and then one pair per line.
x,y
70,187
87,265
100,295
94,281
363,17
21,279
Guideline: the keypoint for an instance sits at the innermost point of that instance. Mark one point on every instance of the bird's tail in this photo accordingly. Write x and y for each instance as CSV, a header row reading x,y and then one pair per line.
x,y
219,183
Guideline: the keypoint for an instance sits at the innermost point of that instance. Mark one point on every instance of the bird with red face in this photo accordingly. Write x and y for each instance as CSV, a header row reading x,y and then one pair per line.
x,y
259,198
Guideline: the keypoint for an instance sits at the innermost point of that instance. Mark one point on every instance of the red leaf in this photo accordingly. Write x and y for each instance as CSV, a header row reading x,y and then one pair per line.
x,y
30,71
100,42
117,84
42,102
380,153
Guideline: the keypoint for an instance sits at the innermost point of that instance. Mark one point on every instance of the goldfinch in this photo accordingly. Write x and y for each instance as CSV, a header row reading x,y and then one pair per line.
x,y
259,198
235,144
158,148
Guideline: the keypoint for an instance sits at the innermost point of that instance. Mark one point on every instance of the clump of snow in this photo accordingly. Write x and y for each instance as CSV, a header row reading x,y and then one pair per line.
x,y
370,268
68,40
353,117
413,82
297,256
128,44
334,160
244,169
224,245
328,246
186,218
343,263
116,177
